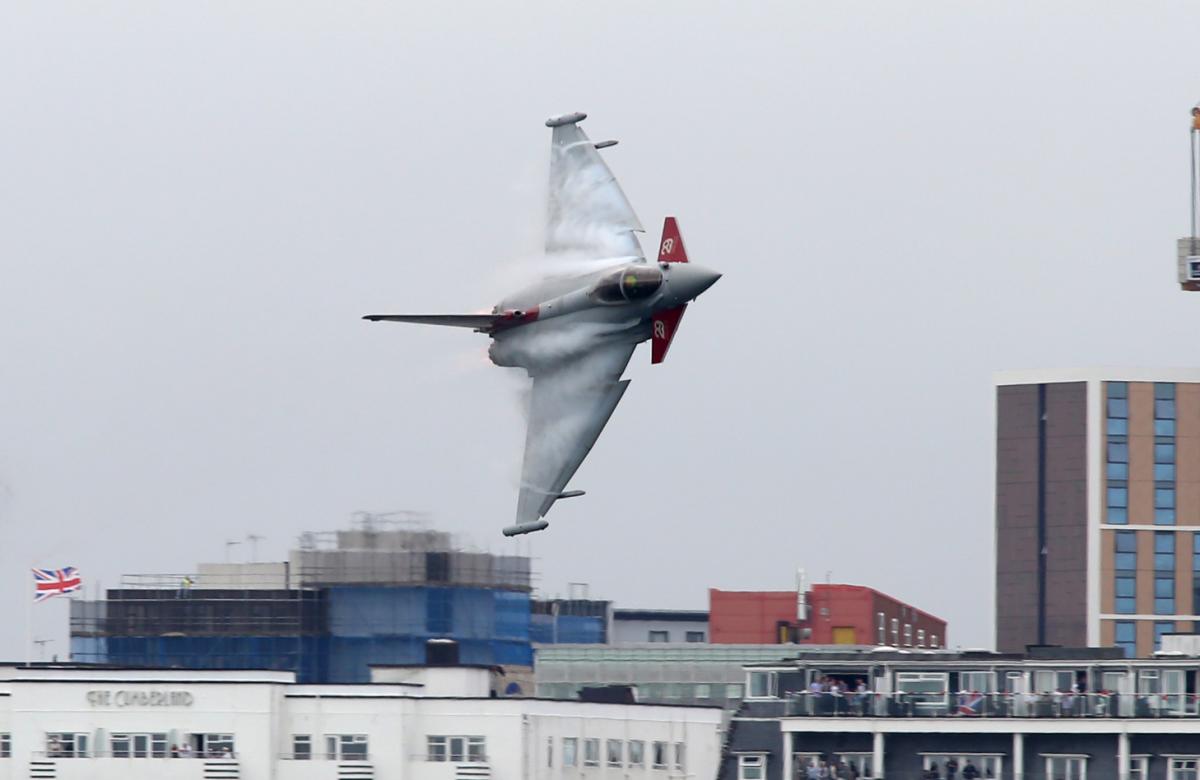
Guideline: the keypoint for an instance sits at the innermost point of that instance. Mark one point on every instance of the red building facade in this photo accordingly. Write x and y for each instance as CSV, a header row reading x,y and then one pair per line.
x,y
837,615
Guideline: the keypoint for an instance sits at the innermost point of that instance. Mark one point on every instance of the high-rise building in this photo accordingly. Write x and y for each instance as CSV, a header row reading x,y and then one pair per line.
x,y
1097,507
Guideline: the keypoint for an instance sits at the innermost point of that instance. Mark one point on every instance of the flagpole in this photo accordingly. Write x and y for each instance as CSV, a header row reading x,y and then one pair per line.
x,y
29,622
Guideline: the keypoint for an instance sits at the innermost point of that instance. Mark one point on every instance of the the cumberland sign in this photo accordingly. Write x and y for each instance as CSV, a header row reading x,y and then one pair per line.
x,y
139,698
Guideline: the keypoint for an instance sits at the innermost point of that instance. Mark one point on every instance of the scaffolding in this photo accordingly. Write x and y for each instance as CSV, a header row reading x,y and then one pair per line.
x,y
345,599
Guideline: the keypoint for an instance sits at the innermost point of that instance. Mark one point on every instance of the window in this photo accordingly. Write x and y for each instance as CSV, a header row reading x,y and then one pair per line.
x,y
1126,594
660,636
660,755
908,634
762,685
703,691
1164,391
880,629
1162,627
733,691
1118,460
1182,768
1164,472
615,749
976,682
1139,767
218,745
895,632
591,752
925,691
352,746
456,749
752,767
933,641
301,747
1066,767
136,745
1125,636
1164,410
920,637
1164,506
861,762
680,763
695,636
1164,594
1118,408
637,753
6,745
570,751
1164,427
986,765
550,752
1118,501
67,745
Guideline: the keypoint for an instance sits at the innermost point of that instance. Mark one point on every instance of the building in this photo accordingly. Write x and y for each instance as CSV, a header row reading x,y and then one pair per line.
x,y
633,626
1097,507
1050,714
341,603
425,723
676,673
825,614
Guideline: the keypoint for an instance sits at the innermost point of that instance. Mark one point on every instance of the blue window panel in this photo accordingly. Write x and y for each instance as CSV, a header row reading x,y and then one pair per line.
x,y
1164,498
1126,587
1126,561
1160,628
1118,452
1118,471
1117,389
1164,606
1164,561
1164,410
1164,517
1125,631
1196,543
1164,587
1126,606
1118,407
1164,391
1118,496
1164,542
1127,541
1118,426
1164,453
1117,516
1162,427
1163,472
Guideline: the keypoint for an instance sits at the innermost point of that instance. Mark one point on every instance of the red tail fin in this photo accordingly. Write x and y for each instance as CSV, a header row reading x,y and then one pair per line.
x,y
670,249
666,322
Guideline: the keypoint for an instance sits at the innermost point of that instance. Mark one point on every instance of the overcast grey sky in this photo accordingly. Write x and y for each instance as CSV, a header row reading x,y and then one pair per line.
x,y
199,200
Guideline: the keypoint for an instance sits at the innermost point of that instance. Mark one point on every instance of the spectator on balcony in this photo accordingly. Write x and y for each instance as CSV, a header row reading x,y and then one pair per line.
x,y
970,772
951,768
862,696
54,747
932,772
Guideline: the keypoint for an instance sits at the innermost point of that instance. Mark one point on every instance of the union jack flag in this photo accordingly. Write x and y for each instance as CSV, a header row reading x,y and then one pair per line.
x,y
55,582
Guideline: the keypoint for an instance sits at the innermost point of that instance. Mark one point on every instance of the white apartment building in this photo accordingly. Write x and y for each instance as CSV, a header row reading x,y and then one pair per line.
x,y
435,723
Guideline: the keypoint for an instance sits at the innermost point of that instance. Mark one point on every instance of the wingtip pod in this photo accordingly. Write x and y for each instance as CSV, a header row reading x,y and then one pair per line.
x,y
566,119
526,528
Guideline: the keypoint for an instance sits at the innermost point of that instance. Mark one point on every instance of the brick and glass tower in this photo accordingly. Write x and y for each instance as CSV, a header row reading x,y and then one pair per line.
x,y
1097,507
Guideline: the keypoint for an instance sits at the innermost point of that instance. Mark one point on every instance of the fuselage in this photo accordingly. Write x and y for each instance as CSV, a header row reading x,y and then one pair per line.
x,y
631,292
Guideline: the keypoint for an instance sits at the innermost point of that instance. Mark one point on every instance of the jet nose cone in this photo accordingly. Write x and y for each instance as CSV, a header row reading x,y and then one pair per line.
x,y
689,279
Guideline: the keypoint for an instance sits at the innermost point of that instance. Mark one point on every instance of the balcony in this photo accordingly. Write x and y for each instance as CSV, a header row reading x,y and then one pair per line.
x,y
977,705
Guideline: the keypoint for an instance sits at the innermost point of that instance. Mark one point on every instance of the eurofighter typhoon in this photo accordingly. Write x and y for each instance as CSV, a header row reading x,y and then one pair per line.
x,y
574,333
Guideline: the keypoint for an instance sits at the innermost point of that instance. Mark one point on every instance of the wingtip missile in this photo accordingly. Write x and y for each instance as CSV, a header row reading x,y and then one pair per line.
x,y
571,494
566,119
604,144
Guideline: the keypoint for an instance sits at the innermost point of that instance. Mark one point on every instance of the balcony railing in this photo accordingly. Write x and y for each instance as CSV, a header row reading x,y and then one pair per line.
x,y
968,704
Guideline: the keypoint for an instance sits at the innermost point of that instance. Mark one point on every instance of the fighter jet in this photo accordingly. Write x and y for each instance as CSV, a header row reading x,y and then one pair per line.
x,y
575,332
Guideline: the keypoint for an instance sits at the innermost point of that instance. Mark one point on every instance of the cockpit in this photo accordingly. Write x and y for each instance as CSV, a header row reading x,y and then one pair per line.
x,y
629,285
